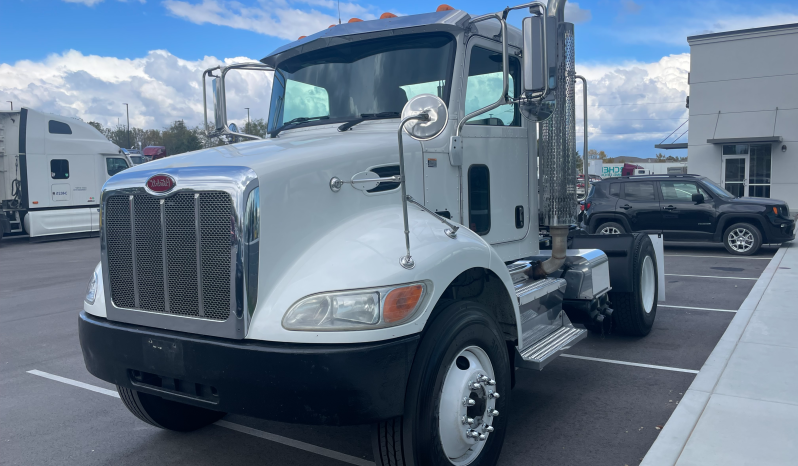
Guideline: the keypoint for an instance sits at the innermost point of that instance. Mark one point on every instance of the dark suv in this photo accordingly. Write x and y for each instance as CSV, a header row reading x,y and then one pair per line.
x,y
686,208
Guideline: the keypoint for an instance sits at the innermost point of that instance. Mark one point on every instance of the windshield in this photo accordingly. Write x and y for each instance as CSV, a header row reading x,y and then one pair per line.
x,y
717,190
359,79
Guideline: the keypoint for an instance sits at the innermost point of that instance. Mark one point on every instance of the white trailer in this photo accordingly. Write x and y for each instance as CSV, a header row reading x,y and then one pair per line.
x,y
52,169
382,257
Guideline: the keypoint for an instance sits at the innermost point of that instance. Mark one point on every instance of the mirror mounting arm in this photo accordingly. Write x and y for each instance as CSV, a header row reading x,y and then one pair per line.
x,y
222,129
406,261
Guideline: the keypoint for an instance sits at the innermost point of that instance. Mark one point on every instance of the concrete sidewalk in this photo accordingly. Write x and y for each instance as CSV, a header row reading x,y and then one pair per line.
x,y
742,408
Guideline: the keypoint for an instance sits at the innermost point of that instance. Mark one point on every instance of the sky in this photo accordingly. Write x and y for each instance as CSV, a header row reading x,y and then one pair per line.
x,y
86,58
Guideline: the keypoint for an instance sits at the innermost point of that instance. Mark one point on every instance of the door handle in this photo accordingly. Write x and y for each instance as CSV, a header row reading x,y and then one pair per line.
x,y
670,207
626,207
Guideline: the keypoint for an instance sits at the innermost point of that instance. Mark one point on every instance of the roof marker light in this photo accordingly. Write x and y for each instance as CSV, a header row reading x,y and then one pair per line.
x,y
444,7
387,15
355,20
331,26
301,37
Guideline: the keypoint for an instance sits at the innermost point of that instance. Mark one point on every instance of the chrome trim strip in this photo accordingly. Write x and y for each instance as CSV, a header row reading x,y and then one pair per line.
x,y
164,259
198,243
133,253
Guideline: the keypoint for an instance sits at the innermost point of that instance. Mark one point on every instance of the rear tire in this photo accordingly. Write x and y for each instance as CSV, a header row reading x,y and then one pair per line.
x,y
166,414
742,239
610,228
634,312
463,341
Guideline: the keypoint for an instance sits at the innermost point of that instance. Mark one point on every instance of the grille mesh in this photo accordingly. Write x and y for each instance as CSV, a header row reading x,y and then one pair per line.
x,y
168,228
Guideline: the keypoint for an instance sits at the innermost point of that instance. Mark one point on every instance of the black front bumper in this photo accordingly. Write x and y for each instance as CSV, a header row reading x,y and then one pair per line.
x,y
782,232
301,383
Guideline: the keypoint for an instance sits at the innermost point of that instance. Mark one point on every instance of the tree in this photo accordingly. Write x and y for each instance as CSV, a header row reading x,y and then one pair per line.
x,y
256,127
178,138
660,157
97,126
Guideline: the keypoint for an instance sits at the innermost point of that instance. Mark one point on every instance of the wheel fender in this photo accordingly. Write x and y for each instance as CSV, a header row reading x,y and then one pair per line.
x,y
730,219
363,252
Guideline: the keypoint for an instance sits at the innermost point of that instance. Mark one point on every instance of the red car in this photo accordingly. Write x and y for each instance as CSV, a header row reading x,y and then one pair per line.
x,y
154,152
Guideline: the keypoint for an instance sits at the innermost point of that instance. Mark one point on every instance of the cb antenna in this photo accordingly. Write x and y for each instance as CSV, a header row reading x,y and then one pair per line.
x,y
339,11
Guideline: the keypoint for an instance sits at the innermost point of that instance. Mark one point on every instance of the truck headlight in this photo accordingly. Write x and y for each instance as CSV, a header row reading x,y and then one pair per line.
x,y
91,289
356,310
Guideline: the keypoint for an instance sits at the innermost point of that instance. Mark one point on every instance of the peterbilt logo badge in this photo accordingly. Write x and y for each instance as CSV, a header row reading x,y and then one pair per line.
x,y
160,183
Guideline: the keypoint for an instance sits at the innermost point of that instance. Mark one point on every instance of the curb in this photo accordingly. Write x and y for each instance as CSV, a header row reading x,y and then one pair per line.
x,y
670,443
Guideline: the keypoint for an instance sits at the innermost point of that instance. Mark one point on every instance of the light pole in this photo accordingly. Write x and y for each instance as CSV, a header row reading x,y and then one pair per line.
x,y
127,111
248,130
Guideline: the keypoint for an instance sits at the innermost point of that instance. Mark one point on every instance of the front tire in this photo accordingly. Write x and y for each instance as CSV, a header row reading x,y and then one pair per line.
x,y
634,312
166,414
462,343
742,239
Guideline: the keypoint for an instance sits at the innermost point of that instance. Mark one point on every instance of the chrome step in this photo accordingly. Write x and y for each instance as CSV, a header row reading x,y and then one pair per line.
x,y
537,355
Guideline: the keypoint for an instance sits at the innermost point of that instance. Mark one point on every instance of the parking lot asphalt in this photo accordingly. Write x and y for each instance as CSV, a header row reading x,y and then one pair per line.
x,y
599,405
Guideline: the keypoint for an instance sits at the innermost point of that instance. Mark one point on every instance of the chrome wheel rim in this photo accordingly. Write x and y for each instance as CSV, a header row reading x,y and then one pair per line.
x,y
648,284
468,406
610,231
741,240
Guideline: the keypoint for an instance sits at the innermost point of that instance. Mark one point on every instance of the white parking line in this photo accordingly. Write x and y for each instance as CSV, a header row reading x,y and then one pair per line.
x,y
696,308
708,276
626,363
228,425
720,257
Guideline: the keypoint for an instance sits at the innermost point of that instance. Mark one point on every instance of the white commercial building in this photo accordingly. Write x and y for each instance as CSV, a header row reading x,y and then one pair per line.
x,y
744,110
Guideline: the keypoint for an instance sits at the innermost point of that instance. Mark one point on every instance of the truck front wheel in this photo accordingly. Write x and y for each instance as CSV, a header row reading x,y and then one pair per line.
x,y
166,414
459,387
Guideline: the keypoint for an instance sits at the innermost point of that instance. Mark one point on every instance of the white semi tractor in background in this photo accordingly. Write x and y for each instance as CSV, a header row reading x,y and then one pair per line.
x,y
388,255
52,169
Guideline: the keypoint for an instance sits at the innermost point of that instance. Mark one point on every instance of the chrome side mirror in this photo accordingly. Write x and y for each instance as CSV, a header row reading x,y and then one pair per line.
x,y
219,104
430,127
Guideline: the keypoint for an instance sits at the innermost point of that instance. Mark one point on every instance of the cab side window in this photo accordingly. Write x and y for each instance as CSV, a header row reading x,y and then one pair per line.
x,y
115,165
58,127
479,199
615,189
484,87
59,169
639,191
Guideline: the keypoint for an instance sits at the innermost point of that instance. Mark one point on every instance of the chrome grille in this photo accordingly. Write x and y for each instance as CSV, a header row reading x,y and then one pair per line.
x,y
154,245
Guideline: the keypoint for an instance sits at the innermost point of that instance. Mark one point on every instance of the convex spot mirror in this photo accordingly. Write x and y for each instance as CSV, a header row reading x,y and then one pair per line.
x,y
365,181
438,115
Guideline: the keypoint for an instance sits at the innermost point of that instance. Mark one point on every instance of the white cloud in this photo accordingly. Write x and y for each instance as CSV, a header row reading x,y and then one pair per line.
x,y
160,88
275,18
94,2
575,14
634,101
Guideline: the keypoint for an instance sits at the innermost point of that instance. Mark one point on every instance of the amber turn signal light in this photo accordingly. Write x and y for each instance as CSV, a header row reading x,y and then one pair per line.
x,y
401,302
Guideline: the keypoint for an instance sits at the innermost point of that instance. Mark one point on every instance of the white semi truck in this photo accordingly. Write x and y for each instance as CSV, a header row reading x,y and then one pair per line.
x,y
334,274
52,169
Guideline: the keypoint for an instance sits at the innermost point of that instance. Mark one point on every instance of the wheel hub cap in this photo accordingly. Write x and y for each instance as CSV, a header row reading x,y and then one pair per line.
x,y
741,240
468,406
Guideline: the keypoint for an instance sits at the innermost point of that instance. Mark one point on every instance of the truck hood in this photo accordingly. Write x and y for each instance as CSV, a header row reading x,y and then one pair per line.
x,y
313,147
757,201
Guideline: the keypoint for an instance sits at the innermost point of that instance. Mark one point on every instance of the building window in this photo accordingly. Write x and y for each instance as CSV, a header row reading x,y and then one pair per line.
x,y
57,127
759,170
484,87
115,165
479,199
59,169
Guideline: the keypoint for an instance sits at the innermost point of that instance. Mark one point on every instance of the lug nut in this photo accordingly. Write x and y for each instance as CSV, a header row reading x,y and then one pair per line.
x,y
470,433
467,420
492,394
490,382
482,378
468,402
474,385
489,429
482,437
493,413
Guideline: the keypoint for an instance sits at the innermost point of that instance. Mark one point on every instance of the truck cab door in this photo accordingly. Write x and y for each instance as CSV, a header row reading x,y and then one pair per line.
x,y
495,171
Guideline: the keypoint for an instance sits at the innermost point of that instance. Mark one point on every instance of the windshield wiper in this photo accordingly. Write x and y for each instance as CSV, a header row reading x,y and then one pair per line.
x,y
368,116
296,122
